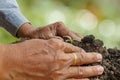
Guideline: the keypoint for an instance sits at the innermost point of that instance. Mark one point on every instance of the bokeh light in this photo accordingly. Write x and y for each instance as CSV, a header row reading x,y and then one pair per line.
x,y
107,28
87,20
55,16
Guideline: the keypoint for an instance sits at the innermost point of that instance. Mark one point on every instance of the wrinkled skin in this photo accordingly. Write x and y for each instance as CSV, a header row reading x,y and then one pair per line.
x,y
57,29
64,71
52,59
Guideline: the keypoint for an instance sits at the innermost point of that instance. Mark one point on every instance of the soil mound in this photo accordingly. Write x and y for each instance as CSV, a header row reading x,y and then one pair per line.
x,y
111,57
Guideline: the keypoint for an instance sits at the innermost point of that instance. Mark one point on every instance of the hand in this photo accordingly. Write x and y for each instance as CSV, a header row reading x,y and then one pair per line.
x,y
51,59
46,32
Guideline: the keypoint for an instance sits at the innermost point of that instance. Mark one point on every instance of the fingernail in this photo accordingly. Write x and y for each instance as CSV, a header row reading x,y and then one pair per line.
x,y
100,69
99,57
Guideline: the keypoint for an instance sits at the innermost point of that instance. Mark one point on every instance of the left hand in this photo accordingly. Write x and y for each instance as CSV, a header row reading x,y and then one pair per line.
x,y
52,59
46,32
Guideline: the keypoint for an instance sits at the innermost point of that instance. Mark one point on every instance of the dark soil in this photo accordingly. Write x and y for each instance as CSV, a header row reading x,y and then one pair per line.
x,y
111,57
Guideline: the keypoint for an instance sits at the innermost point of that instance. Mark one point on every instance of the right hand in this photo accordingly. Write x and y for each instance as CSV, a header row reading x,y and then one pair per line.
x,y
51,59
57,29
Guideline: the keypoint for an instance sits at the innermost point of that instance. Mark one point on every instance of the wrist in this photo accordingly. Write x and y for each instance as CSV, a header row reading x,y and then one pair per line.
x,y
25,30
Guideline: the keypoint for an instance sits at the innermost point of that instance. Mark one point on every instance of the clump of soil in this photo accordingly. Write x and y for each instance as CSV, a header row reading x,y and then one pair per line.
x,y
111,57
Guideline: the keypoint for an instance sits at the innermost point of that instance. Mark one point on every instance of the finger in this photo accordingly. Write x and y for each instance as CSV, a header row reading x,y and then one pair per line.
x,y
84,72
69,48
63,31
75,35
78,79
85,58
66,47
78,35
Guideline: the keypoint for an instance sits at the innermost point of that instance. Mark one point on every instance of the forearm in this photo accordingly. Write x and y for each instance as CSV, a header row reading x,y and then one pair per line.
x,y
11,17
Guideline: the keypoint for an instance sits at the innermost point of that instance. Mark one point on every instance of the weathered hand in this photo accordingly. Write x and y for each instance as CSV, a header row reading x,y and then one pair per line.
x,y
51,59
46,32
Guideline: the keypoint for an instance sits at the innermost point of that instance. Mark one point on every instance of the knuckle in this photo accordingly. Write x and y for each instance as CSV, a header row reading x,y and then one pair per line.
x,y
77,49
60,23
81,58
56,42
61,59
80,72
58,73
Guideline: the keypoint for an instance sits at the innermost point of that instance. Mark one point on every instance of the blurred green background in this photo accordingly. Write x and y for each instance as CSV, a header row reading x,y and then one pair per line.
x,y
98,17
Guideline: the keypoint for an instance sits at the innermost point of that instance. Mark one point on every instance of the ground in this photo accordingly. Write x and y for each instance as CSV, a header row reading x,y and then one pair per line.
x,y
111,57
